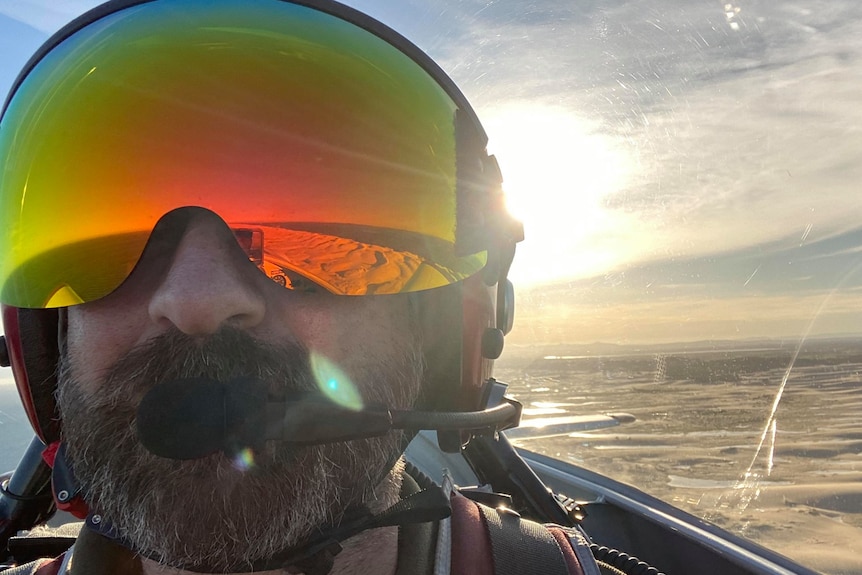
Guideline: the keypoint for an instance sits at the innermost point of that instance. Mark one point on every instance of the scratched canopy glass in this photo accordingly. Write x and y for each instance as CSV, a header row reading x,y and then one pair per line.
x,y
694,169
330,153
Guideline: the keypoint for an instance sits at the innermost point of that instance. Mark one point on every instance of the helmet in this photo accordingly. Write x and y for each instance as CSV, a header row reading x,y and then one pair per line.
x,y
288,119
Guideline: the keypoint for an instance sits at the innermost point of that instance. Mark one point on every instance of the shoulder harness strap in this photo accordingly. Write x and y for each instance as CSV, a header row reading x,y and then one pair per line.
x,y
520,546
516,546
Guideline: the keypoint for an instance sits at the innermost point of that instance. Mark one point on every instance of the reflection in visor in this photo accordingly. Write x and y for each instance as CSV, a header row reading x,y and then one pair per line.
x,y
346,266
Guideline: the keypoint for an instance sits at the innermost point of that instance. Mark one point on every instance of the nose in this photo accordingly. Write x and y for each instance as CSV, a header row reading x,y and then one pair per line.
x,y
210,283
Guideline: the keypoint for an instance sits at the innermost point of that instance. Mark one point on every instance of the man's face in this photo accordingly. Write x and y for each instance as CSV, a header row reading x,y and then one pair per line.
x,y
196,307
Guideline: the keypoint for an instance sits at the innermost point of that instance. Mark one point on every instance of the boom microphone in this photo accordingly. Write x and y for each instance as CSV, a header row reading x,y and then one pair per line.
x,y
196,417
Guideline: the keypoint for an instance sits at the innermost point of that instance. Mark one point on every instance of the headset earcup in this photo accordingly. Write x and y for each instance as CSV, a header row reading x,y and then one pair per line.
x,y
32,339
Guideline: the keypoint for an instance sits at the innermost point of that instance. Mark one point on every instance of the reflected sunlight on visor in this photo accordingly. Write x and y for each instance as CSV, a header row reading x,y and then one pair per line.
x,y
339,155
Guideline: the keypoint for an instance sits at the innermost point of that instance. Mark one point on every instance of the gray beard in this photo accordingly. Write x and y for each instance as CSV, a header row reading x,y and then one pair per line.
x,y
214,511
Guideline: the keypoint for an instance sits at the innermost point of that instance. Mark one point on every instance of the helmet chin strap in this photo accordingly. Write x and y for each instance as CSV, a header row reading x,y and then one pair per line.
x,y
316,555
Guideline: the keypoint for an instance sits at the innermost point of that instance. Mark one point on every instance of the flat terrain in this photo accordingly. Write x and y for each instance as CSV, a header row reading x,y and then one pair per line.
x,y
728,434
723,431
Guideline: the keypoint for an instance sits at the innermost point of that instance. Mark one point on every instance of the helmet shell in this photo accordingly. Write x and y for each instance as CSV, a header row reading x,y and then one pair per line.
x,y
458,315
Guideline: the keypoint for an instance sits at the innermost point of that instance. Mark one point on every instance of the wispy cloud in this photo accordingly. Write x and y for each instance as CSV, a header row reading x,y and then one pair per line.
x,y
6,376
729,123
45,15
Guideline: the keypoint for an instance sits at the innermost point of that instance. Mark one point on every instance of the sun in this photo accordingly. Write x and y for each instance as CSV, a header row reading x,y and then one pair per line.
x,y
558,171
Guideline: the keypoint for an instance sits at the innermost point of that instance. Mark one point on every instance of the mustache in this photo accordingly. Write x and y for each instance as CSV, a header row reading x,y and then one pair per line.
x,y
227,354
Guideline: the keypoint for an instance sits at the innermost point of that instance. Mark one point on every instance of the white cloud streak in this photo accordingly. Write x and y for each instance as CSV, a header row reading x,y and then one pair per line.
x,y
45,15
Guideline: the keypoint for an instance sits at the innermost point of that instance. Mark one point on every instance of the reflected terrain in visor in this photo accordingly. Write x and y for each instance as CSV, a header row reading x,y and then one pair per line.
x,y
328,151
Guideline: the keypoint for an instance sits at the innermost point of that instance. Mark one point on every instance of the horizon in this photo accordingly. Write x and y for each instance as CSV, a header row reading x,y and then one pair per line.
x,y
633,349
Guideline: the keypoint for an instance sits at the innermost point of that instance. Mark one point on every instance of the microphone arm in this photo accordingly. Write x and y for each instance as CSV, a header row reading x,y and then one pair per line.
x,y
314,422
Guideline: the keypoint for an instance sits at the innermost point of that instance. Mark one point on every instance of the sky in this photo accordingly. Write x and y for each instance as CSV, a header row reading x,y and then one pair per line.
x,y
684,170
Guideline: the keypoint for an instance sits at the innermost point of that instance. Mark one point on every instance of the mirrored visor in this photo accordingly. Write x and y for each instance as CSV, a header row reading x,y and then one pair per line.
x,y
326,149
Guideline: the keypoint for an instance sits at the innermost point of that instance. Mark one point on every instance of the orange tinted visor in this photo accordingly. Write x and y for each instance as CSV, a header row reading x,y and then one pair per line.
x,y
329,151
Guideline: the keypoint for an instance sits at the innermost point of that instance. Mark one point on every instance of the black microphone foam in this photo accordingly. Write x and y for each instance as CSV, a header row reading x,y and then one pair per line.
x,y
193,418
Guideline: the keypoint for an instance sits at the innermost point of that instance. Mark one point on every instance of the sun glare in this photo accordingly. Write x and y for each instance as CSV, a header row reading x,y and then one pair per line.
x,y
557,172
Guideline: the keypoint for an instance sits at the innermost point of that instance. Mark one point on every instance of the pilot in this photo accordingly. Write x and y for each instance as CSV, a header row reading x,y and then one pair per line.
x,y
146,148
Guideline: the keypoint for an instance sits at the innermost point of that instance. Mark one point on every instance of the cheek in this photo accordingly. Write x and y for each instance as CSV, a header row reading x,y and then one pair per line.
x,y
351,330
96,338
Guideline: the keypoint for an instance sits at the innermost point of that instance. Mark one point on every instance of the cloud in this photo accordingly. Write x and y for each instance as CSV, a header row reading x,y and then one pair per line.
x,y
728,120
25,25
644,320
776,289
47,16
6,376
18,41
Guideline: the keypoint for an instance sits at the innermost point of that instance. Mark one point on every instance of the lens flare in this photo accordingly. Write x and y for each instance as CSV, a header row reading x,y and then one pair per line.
x,y
244,460
334,383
